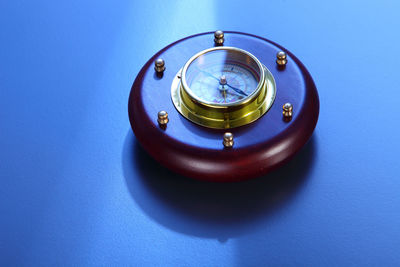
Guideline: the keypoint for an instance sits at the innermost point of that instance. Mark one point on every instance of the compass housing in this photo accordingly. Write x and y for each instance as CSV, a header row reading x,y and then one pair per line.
x,y
224,115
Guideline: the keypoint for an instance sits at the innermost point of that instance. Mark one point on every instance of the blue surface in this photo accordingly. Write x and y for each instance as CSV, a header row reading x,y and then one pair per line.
x,y
77,190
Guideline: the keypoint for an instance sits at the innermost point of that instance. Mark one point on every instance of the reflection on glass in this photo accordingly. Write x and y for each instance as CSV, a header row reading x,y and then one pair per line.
x,y
223,76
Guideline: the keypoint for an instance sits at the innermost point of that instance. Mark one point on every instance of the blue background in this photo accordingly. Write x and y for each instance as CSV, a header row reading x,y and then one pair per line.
x,y
76,189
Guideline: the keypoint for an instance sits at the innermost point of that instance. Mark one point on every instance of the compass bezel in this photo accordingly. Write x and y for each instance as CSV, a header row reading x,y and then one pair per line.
x,y
227,115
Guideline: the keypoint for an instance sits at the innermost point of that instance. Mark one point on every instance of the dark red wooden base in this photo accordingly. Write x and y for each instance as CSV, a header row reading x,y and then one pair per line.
x,y
198,152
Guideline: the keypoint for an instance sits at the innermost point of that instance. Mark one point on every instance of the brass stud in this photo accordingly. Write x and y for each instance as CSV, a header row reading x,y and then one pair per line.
x,y
159,65
162,118
219,37
287,110
281,58
228,139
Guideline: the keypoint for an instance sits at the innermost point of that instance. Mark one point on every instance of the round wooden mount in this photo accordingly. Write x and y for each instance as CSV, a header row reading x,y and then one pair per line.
x,y
198,152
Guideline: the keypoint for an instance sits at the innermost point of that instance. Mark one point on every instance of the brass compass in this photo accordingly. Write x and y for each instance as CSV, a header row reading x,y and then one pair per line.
x,y
223,87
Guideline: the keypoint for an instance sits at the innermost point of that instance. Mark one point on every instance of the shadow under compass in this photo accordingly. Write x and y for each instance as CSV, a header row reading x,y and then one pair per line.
x,y
206,209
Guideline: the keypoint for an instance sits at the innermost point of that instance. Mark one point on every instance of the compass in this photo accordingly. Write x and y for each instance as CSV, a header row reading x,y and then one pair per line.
x,y
223,87
223,106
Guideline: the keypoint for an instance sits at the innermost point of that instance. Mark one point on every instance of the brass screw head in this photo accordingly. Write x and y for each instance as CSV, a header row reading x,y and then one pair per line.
x,y
281,58
163,117
159,65
287,110
219,37
228,139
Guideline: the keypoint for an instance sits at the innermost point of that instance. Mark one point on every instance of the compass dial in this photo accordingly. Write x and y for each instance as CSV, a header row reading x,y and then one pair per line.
x,y
237,83
222,77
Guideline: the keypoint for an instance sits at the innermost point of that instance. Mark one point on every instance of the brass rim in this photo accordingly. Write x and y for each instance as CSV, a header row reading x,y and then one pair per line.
x,y
223,116
216,105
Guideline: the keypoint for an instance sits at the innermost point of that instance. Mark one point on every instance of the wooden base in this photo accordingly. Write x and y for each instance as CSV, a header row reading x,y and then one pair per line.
x,y
198,152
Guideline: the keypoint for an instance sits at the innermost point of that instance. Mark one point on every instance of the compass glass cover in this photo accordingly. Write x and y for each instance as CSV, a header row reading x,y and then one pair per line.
x,y
223,77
